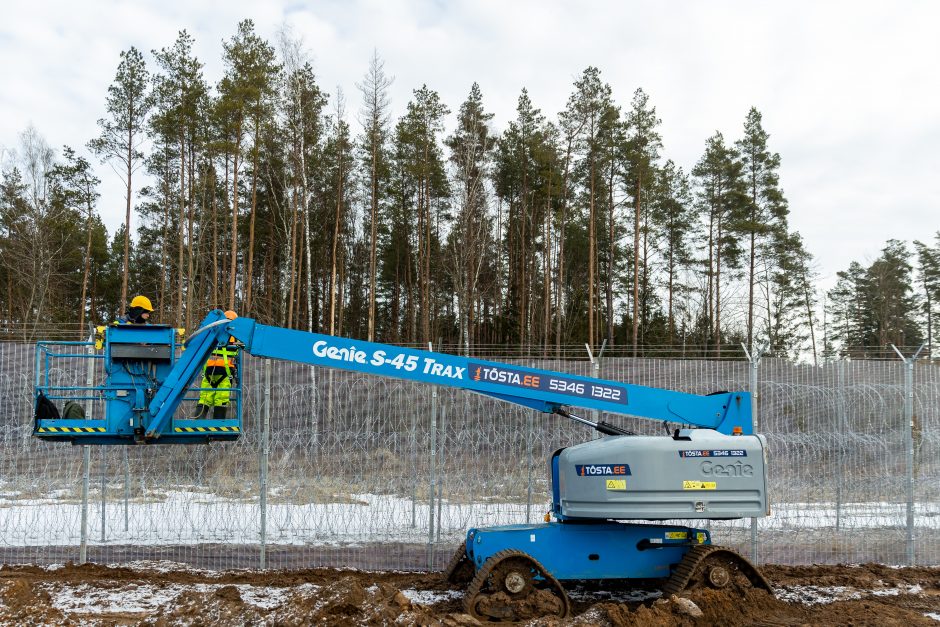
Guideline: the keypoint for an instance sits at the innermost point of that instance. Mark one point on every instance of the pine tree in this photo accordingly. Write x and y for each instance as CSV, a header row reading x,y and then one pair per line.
x,y
765,210
302,107
128,104
788,296
718,173
180,101
591,111
374,118
469,244
423,187
890,298
928,271
642,151
846,307
244,94
77,187
338,166
673,214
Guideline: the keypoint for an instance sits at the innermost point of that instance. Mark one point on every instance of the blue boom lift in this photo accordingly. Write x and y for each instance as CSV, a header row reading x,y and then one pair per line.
x,y
714,469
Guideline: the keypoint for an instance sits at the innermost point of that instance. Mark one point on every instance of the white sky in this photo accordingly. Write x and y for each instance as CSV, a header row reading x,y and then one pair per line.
x,y
849,90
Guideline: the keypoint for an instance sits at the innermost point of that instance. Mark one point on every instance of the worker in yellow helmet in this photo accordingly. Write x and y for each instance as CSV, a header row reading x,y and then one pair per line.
x,y
138,313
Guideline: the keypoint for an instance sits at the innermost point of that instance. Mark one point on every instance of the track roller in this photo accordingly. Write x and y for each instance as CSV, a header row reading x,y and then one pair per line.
x,y
714,567
512,586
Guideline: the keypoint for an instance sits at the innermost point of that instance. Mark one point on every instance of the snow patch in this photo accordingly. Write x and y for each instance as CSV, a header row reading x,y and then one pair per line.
x,y
134,598
431,597
822,595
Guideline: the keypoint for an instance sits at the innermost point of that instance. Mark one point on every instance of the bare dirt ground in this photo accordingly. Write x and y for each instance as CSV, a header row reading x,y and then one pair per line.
x,y
162,594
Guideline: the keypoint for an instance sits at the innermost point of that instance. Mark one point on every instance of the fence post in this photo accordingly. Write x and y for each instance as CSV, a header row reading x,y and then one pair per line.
x,y
908,427
127,487
432,463
840,407
265,451
104,497
414,466
529,446
596,373
86,479
86,463
754,361
440,484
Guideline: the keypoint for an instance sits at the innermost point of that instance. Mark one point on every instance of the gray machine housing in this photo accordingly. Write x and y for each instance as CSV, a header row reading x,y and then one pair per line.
x,y
698,473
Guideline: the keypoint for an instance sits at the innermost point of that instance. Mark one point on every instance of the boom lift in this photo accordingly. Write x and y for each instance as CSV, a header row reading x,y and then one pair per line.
x,y
714,469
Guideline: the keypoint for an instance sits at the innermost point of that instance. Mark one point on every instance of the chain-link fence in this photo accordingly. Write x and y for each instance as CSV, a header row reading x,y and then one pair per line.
x,y
354,470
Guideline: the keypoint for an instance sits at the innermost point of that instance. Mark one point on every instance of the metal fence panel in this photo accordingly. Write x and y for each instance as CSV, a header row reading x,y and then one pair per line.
x,y
351,480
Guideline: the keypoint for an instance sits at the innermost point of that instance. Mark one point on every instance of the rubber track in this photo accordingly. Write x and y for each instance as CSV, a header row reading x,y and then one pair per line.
x,y
459,556
696,555
481,576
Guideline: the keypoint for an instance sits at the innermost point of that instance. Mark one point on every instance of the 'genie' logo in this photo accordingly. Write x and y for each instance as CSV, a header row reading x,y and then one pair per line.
x,y
731,469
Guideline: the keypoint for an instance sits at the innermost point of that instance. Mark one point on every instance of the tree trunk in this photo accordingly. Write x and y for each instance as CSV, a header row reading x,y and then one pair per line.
x,y
750,292
233,268
127,218
636,262
592,247
610,257
559,293
249,270
718,291
426,262
191,294
162,305
292,273
547,269
81,312
373,235
336,230
214,253
181,233
809,315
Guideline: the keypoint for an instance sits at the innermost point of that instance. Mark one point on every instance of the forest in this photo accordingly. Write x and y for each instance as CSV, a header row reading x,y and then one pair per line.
x,y
265,194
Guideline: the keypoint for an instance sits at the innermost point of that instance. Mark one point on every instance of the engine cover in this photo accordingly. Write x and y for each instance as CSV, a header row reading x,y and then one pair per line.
x,y
700,474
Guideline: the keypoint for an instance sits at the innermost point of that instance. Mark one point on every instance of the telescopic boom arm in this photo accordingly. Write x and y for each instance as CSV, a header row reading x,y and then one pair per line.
x,y
543,390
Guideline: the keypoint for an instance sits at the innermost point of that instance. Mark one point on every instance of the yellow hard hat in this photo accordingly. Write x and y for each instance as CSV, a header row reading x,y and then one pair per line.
x,y
143,302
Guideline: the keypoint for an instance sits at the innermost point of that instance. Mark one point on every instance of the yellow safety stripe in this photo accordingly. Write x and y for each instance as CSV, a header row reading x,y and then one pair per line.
x,y
71,430
206,429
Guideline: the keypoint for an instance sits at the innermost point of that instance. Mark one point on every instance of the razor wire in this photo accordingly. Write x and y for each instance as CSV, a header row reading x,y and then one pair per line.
x,y
351,480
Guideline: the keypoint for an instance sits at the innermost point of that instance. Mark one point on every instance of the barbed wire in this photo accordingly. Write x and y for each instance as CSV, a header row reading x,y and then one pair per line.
x,y
350,468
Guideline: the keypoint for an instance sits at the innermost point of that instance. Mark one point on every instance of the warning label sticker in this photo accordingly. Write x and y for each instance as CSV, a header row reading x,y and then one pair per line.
x,y
699,485
676,535
616,484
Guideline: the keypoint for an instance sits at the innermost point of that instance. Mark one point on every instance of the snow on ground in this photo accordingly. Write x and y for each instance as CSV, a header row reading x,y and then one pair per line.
x,y
142,598
431,597
821,595
133,598
189,516
159,566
